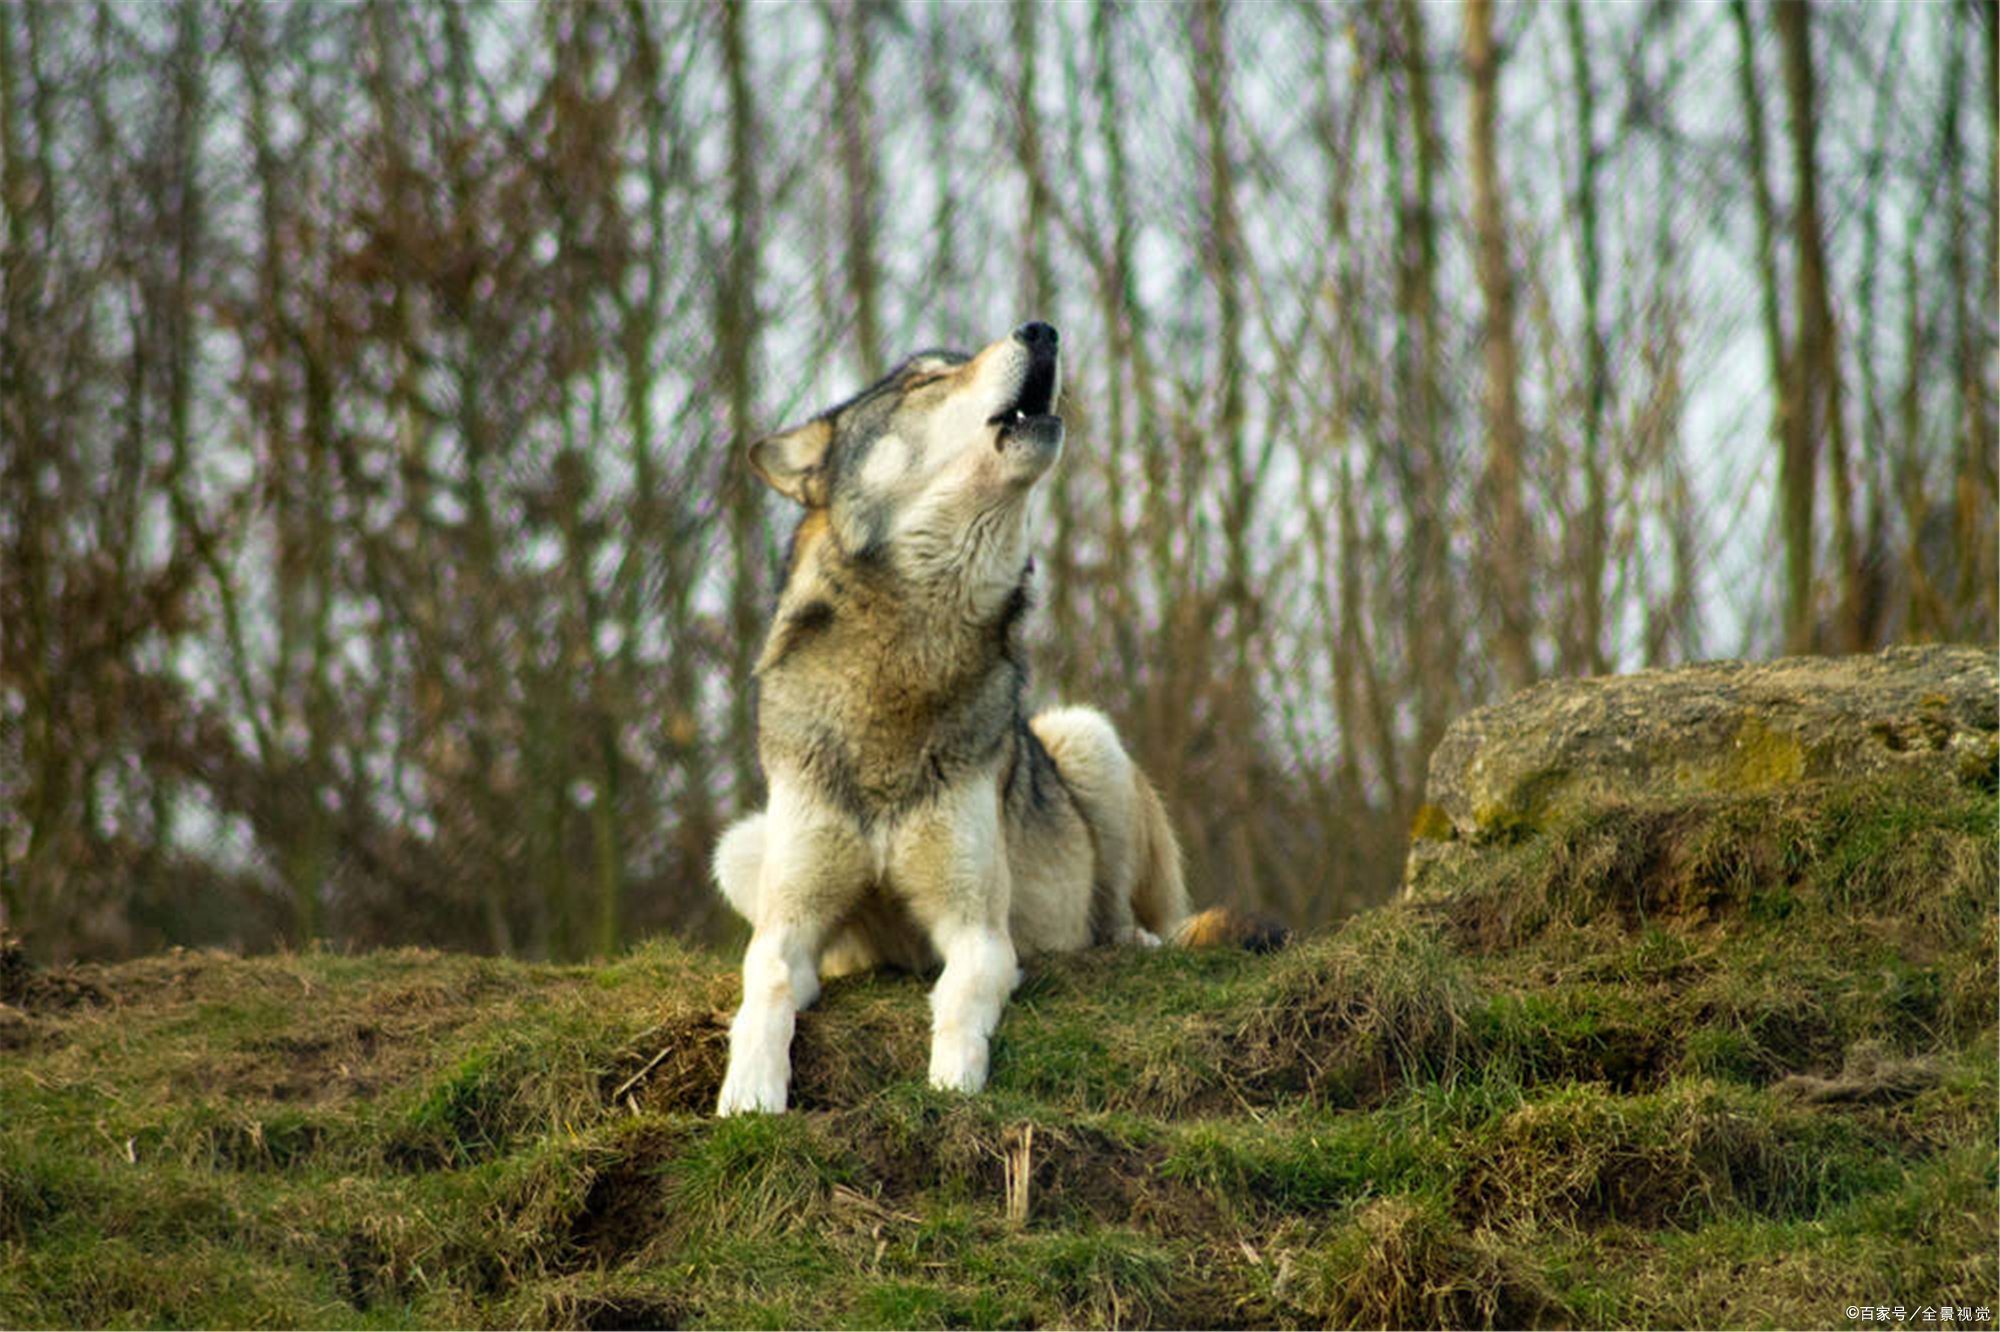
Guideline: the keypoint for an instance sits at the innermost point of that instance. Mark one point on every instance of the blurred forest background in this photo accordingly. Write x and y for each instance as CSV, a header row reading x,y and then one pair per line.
x,y
376,560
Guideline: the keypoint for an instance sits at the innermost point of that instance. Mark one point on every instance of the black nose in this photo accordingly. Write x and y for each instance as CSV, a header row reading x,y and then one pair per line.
x,y
1038,336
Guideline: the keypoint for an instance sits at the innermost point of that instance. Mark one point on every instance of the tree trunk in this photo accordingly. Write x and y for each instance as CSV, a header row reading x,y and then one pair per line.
x,y
1037,301
736,323
1509,546
1795,468
1817,383
1224,263
1433,616
850,29
1979,361
1972,435
1585,651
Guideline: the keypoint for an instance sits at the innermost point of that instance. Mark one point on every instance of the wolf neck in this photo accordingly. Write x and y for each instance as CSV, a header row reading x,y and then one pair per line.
x,y
968,568
875,690
938,613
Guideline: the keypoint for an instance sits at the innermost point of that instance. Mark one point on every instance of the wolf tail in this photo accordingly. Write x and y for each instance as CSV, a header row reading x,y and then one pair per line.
x,y
1232,928
1160,895
1159,892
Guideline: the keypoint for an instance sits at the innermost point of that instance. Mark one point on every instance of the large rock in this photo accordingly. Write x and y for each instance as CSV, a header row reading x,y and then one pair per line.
x,y
1558,748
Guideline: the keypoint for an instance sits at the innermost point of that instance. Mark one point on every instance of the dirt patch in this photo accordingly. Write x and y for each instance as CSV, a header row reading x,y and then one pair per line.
x,y
911,1154
672,1067
1075,1170
26,987
1218,1288
841,1053
622,1212
625,1208
845,1052
604,1312
1080,1169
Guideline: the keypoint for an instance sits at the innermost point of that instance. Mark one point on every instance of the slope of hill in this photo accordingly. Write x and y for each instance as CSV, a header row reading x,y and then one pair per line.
x,y
1720,1062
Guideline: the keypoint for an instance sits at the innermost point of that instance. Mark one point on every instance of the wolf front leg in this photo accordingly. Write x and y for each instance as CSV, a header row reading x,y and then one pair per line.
x,y
808,878
951,868
780,976
979,973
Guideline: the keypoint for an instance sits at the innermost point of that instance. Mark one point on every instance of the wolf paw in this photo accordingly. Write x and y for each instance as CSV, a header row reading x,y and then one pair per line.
x,y
752,1084
958,1064
739,1097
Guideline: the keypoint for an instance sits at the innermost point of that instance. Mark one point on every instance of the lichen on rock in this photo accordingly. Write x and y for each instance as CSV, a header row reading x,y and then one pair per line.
x,y
1559,749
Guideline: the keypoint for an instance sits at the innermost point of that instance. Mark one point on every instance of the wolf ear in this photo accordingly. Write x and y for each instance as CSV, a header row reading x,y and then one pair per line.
x,y
792,462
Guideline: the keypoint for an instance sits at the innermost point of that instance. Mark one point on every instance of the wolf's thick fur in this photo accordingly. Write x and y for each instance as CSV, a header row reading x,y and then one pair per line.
x,y
917,815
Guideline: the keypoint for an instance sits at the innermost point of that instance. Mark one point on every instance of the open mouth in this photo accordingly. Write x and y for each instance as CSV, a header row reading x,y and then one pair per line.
x,y
1038,390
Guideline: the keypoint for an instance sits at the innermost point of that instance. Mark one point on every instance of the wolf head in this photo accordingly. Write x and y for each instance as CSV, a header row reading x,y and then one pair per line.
x,y
930,467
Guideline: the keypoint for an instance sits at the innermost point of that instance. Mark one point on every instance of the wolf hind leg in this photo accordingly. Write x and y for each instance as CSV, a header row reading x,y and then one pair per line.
x,y
847,952
1138,860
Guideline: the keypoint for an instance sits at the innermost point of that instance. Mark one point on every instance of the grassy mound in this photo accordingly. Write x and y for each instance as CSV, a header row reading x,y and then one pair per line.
x,y
1704,1066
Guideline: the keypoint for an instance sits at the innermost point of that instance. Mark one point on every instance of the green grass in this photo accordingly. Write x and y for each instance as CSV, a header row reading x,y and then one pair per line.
x,y
1727,1066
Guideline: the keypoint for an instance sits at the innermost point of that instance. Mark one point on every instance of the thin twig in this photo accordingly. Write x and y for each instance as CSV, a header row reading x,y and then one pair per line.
x,y
635,1079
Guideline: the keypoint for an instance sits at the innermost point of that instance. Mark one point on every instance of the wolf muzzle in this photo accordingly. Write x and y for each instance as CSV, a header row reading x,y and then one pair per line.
x,y
1028,416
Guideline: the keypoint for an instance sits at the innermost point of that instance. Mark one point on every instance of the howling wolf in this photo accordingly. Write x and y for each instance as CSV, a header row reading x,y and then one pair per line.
x,y
917,814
